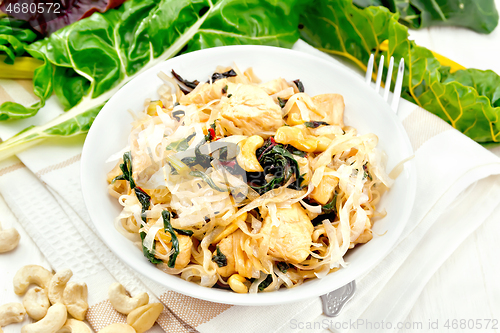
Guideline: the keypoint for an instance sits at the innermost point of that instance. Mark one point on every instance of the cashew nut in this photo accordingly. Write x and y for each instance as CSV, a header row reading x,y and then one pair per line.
x,y
144,317
9,238
122,302
57,285
51,323
75,326
31,274
236,282
75,298
11,313
118,328
295,136
36,303
246,158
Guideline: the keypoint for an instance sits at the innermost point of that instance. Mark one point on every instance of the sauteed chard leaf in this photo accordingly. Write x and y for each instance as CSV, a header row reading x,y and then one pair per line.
x,y
167,227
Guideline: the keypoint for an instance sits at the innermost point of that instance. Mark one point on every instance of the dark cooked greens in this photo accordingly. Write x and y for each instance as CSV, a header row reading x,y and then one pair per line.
x,y
328,211
278,164
217,76
144,200
126,168
299,85
150,255
182,144
208,180
199,158
281,102
184,232
283,266
219,258
315,124
264,284
189,85
167,227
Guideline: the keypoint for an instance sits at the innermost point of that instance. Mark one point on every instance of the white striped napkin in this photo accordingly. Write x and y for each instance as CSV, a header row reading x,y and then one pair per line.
x,y
457,180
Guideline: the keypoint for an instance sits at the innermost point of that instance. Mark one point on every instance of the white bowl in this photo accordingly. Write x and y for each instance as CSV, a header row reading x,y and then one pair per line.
x,y
365,110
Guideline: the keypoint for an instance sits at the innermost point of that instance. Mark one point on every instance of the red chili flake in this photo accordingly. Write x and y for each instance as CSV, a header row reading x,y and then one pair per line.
x,y
212,133
230,164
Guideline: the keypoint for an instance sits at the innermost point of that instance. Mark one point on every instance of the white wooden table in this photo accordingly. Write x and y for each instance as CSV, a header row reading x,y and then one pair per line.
x,y
467,286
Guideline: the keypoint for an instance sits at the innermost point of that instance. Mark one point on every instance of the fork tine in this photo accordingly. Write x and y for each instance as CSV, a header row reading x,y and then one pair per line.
x,y
369,70
388,79
379,73
397,87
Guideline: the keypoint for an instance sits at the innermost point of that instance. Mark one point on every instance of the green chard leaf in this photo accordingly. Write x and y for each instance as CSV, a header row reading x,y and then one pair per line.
x,y
219,258
480,16
315,124
150,255
126,168
181,145
264,284
462,99
167,227
460,105
208,180
15,35
184,232
281,102
42,87
86,62
144,200
283,266
279,164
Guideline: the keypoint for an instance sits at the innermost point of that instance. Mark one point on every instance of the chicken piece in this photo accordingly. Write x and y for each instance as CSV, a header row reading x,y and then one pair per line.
x,y
185,244
293,238
237,259
248,110
327,107
331,107
274,86
323,193
205,92
226,247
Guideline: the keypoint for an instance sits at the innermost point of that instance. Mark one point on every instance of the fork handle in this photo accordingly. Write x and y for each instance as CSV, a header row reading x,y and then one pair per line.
x,y
334,301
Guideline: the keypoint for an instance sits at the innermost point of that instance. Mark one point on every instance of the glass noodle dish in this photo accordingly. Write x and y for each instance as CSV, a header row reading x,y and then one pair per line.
x,y
249,186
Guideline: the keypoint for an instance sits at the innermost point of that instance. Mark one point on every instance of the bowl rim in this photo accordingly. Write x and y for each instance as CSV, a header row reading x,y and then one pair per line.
x,y
259,299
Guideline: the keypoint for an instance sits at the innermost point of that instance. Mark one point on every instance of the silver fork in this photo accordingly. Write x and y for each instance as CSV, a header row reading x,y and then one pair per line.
x,y
399,79
334,301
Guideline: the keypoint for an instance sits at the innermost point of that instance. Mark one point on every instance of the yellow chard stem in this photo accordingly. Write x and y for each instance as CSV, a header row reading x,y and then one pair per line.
x,y
23,68
384,46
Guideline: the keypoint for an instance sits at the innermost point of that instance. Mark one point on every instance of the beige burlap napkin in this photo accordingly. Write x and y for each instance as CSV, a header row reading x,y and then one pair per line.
x,y
47,183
